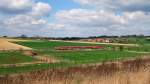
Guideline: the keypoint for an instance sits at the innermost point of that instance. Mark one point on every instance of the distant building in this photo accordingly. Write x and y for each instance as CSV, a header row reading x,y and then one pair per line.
x,y
98,40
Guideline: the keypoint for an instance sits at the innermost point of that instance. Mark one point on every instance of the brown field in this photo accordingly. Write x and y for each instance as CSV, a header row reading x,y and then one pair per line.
x,y
16,40
5,45
124,72
78,47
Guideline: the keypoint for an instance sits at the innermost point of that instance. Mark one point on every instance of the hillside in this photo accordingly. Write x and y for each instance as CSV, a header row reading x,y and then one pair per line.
x,y
5,45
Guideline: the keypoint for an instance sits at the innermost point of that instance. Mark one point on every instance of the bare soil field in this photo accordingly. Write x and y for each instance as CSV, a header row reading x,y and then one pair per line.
x,y
124,72
17,40
77,47
5,45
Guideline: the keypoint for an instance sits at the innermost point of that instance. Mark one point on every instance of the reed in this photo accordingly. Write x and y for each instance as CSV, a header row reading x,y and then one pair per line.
x,y
125,72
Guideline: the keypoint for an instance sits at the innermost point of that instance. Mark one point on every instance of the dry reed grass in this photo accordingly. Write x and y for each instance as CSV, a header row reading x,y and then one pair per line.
x,y
125,72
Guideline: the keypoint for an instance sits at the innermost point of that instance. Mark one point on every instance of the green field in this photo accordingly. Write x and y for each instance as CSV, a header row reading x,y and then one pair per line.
x,y
93,56
68,58
45,45
12,57
144,46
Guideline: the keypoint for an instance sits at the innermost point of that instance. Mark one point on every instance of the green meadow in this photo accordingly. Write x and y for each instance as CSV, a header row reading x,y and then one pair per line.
x,y
13,57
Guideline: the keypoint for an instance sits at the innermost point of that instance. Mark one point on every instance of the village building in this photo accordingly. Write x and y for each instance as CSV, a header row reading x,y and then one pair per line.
x,y
98,40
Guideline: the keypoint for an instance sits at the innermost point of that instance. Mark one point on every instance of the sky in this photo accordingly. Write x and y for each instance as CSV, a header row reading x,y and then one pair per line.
x,y
74,18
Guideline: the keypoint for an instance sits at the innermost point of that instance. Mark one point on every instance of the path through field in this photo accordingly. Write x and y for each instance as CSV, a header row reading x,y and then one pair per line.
x,y
40,60
21,64
132,45
139,52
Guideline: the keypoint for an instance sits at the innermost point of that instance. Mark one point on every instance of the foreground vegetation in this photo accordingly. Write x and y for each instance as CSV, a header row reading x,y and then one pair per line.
x,y
124,72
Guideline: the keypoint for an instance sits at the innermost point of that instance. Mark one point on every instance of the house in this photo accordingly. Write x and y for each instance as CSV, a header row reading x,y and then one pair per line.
x,y
98,40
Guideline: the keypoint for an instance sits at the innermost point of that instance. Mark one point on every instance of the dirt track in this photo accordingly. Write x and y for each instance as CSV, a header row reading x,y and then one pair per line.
x,y
21,64
41,60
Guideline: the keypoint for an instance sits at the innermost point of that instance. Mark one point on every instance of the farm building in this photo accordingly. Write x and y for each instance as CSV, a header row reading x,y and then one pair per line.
x,y
98,40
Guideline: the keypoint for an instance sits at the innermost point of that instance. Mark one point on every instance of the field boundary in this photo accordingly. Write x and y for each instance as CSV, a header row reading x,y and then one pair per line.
x,y
21,64
42,60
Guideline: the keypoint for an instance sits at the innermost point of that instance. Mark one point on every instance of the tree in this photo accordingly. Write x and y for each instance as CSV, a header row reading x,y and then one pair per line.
x,y
5,36
23,36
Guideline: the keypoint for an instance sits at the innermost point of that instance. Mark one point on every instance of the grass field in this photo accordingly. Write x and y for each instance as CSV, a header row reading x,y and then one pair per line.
x,y
12,57
50,45
93,56
44,45
81,56
68,58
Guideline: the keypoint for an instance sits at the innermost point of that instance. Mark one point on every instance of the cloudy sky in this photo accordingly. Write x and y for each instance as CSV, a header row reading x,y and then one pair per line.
x,y
62,18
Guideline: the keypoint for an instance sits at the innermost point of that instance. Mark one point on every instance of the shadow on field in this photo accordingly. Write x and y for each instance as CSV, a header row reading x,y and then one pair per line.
x,y
124,72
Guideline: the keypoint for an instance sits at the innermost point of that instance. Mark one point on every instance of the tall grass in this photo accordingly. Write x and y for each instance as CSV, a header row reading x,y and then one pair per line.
x,y
124,72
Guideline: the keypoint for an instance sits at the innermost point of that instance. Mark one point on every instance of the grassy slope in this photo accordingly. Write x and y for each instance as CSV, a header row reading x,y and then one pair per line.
x,y
14,57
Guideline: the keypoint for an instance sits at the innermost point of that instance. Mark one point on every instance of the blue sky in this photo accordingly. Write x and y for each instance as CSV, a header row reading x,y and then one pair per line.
x,y
60,5
77,18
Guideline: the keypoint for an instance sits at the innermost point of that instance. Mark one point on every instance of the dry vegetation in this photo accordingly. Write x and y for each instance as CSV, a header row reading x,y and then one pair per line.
x,y
5,45
17,40
124,72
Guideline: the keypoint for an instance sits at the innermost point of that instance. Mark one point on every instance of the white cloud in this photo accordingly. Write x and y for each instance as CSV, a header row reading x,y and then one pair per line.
x,y
24,24
100,22
82,17
23,21
123,2
24,7
123,5
15,6
41,9
24,17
